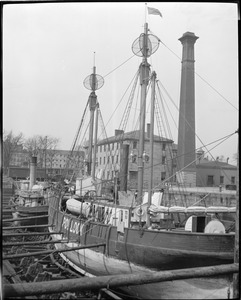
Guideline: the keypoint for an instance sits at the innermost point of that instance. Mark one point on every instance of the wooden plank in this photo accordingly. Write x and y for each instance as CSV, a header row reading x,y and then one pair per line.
x,y
28,233
27,226
113,281
51,251
37,243
24,219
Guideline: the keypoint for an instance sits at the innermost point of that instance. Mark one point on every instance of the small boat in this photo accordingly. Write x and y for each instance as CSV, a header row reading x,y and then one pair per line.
x,y
125,235
30,201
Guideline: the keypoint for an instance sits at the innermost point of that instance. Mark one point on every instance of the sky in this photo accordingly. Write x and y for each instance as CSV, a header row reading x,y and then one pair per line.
x,y
48,51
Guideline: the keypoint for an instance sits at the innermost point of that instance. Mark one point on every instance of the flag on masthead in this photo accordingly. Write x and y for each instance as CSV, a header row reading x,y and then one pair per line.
x,y
153,11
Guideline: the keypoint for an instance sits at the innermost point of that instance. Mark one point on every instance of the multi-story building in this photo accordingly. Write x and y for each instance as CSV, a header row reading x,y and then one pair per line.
x,y
19,157
214,172
50,164
109,157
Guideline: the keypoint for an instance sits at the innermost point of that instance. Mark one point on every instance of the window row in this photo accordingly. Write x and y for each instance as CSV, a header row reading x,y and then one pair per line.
x,y
109,159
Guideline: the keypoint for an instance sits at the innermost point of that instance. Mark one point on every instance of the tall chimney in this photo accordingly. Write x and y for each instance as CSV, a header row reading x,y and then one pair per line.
x,y
186,130
124,167
33,168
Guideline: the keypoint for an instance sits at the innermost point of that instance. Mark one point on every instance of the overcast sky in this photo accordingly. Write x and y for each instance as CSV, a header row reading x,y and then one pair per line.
x,y
48,52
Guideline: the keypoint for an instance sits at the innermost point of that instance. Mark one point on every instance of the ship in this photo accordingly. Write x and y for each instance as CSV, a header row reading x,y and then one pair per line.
x,y
132,233
29,204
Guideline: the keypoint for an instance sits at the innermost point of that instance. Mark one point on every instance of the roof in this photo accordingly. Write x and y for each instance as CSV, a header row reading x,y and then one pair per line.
x,y
215,164
132,135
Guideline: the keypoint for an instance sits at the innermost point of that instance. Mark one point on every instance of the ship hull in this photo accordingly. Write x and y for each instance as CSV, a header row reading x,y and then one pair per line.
x,y
91,263
135,251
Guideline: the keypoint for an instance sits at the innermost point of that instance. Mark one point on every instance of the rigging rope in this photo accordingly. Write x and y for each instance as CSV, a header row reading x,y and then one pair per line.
x,y
202,78
119,66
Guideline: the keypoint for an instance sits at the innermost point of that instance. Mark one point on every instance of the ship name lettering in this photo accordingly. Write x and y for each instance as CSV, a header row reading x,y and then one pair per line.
x,y
74,228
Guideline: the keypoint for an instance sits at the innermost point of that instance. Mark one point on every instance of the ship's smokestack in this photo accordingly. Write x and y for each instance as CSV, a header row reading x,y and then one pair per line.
x,y
33,169
124,167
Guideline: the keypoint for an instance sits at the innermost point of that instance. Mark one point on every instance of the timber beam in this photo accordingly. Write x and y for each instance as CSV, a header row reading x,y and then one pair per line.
x,y
113,281
24,218
37,243
51,251
28,226
29,233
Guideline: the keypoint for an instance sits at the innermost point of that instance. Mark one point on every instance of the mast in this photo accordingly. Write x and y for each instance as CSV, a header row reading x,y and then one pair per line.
x,y
144,46
153,79
93,82
144,80
92,105
95,142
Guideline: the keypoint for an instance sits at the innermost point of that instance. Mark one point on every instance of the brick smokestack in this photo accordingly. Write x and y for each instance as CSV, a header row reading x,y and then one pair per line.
x,y
186,131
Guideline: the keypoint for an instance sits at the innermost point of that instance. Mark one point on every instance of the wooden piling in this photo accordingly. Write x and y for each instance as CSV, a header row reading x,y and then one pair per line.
x,y
114,281
51,251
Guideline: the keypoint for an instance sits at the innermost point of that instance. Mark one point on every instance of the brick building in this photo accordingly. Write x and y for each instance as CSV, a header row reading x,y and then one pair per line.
x,y
110,154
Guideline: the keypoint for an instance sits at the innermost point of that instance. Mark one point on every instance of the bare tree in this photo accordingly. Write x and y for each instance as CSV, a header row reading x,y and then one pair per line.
x,y
10,144
42,147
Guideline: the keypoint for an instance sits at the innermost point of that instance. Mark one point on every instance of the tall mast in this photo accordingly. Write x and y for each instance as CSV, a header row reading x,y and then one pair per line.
x,y
93,82
144,46
92,106
153,80
144,80
95,141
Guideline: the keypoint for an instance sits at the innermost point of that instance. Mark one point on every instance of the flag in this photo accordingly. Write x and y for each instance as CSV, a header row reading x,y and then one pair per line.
x,y
153,11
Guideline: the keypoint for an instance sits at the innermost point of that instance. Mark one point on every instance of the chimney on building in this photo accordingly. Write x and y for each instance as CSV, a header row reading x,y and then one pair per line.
x,y
186,153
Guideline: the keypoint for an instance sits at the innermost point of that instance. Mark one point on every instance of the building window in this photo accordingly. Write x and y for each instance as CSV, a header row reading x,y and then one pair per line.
x,y
104,147
163,147
100,160
163,176
221,179
163,160
117,145
134,145
210,180
233,179
104,160
117,158
108,159
113,145
100,148
112,159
